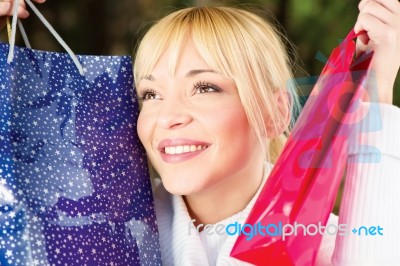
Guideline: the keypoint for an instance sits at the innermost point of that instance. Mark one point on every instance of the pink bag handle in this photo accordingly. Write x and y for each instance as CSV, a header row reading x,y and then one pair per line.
x,y
352,35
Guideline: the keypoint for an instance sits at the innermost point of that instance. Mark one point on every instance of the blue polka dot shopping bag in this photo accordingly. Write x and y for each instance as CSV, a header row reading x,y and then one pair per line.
x,y
74,182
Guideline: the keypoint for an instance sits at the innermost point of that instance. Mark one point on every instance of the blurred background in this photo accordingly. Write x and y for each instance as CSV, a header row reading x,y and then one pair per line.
x,y
101,27
104,27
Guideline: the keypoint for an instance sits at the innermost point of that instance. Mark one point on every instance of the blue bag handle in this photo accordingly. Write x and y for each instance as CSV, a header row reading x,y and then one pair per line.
x,y
48,26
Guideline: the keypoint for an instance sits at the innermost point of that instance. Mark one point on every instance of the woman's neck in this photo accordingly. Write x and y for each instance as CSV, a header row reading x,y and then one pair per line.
x,y
225,198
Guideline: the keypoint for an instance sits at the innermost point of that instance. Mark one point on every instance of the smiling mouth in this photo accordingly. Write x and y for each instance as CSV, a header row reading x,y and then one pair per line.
x,y
183,149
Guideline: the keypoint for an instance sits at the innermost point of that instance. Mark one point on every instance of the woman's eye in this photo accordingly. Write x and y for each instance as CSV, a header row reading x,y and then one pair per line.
x,y
205,89
149,95
202,87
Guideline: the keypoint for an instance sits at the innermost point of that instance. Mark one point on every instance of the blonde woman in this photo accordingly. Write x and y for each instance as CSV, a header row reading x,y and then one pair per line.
x,y
214,109
212,84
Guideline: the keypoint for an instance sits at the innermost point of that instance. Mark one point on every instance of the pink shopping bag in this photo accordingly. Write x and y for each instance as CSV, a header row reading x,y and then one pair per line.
x,y
302,187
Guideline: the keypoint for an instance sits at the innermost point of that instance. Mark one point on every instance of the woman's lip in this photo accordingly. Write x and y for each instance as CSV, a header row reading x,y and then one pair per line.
x,y
179,142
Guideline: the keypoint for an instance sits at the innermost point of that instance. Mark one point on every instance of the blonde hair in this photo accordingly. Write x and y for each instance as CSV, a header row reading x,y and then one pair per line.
x,y
237,43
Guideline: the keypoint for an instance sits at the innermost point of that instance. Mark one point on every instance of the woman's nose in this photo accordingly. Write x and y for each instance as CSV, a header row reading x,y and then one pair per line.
x,y
174,115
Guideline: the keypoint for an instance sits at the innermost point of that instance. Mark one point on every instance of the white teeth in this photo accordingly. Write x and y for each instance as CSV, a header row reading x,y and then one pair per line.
x,y
183,149
179,150
170,150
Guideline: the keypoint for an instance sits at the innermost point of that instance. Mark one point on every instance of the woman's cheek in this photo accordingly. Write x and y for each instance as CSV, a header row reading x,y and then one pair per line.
x,y
142,128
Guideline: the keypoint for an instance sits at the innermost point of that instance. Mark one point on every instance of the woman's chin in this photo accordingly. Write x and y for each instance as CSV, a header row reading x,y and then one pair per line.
x,y
180,187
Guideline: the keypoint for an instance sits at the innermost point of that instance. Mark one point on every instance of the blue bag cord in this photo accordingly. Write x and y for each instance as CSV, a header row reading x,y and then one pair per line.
x,y
48,26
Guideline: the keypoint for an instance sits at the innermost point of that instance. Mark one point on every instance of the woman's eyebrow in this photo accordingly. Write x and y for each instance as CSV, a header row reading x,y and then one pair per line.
x,y
149,77
189,74
195,72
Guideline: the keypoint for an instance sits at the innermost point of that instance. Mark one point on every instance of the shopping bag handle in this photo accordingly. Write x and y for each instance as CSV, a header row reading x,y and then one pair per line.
x,y
21,29
48,26
352,35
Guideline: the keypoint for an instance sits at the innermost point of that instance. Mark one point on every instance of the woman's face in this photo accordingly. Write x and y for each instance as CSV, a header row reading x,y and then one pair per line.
x,y
194,128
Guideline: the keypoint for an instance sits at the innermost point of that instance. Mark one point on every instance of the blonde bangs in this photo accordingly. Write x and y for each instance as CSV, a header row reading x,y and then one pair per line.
x,y
169,33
